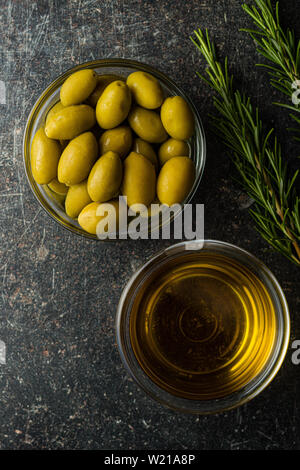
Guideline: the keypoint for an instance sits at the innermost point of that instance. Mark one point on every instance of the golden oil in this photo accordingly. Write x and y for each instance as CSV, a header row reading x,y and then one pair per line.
x,y
202,326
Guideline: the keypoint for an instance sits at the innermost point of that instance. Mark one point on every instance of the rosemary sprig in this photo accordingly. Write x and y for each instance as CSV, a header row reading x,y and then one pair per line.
x,y
282,51
262,170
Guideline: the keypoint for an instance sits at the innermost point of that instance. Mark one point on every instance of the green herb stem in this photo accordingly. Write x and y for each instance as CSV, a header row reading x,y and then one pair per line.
x,y
256,155
280,49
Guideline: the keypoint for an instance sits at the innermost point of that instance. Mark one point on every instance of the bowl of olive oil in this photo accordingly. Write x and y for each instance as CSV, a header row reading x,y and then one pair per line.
x,y
203,326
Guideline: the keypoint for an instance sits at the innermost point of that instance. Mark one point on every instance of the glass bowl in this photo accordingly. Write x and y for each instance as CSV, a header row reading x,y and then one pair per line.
x,y
120,67
268,335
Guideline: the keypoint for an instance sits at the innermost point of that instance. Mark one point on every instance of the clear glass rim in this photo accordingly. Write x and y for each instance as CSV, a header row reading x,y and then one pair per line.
x,y
192,406
57,82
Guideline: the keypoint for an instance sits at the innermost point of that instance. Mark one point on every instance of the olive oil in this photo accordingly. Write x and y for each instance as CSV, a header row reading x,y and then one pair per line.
x,y
202,326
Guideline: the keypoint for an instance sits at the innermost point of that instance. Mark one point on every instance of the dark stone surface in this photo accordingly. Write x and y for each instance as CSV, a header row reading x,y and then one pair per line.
x,y
63,385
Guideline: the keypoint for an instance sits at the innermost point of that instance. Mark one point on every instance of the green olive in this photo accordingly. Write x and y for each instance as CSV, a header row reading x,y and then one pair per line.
x,y
102,82
70,121
175,180
113,105
172,148
57,187
58,198
77,159
45,154
89,217
118,140
78,87
105,177
57,107
146,149
77,198
177,118
147,125
146,89
139,180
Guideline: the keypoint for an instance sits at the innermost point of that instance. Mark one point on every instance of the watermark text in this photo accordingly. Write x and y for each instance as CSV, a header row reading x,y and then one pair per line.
x,y
157,221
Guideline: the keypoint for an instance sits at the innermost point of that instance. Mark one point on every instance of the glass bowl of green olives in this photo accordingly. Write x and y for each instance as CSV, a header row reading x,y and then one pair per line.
x,y
109,131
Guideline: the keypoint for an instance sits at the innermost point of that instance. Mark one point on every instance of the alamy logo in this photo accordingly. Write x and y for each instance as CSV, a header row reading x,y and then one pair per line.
x,y
2,93
296,353
296,93
153,222
2,352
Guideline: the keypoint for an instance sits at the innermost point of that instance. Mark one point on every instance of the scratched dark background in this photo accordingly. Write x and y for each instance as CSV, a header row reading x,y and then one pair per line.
x,y
63,385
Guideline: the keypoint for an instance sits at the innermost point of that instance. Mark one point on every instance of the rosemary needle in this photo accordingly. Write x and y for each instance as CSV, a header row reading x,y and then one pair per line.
x,y
257,157
281,50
